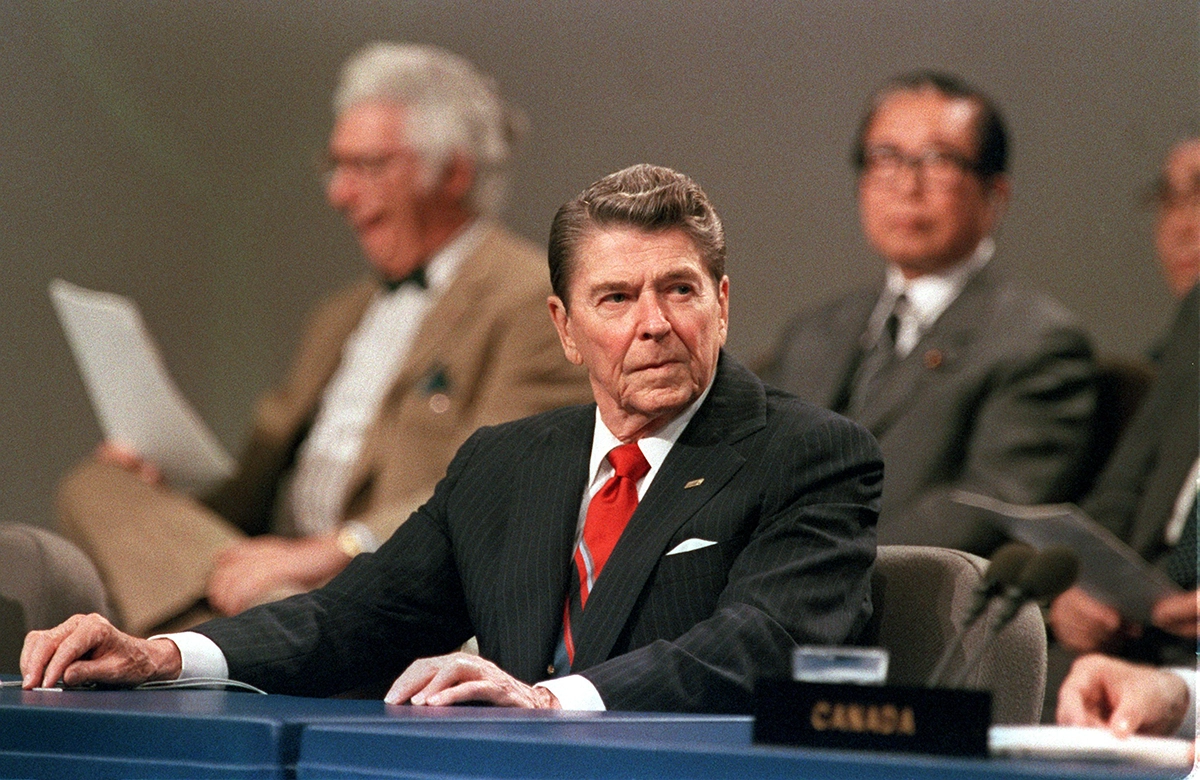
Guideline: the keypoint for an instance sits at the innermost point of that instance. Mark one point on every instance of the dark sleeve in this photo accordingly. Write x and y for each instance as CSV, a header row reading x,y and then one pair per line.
x,y
1136,492
803,576
383,611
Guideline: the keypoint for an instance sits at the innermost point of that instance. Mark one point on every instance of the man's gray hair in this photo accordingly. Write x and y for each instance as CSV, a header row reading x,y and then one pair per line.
x,y
452,107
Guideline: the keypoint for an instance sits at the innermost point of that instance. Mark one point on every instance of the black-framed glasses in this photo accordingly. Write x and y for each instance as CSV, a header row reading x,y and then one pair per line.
x,y
937,167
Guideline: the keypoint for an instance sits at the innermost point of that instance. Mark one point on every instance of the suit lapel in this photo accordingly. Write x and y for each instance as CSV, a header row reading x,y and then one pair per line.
x,y
456,304
442,321
845,336
938,353
736,406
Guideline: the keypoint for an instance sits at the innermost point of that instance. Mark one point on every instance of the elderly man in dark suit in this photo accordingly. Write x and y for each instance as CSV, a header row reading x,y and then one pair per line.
x,y
660,549
966,379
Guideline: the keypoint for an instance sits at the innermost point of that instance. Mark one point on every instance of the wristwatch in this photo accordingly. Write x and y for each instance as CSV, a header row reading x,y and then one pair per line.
x,y
355,538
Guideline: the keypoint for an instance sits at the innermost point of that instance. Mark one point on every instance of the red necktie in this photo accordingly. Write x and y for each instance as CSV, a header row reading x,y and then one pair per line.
x,y
607,515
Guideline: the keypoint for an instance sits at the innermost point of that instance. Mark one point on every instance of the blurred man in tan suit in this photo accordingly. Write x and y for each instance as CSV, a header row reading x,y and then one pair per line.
x,y
392,374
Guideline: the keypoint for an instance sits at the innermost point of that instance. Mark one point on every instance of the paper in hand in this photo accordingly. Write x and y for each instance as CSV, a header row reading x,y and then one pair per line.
x,y
1109,569
135,399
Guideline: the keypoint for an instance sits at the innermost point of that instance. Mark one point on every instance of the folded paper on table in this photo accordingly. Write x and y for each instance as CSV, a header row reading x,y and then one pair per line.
x,y
1109,569
135,399
1076,743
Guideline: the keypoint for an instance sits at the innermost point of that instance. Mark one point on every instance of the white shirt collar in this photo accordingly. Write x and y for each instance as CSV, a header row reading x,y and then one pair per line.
x,y
929,295
443,266
655,447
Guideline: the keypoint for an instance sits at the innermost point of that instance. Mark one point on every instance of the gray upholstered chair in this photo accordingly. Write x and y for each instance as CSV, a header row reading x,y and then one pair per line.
x,y
921,596
44,579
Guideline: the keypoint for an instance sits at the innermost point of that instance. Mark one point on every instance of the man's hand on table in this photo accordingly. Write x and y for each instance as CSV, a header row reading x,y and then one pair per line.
x,y
459,678
88,649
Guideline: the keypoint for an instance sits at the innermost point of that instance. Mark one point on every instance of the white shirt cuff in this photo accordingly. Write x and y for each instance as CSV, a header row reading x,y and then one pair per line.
x,y
1188,727
201,656
574,693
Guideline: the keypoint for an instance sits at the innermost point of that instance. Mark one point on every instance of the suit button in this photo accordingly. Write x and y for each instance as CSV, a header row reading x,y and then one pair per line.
x,y
550,669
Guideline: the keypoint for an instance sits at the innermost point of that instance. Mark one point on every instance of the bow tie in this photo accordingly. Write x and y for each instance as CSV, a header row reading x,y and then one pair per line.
x,y
417,277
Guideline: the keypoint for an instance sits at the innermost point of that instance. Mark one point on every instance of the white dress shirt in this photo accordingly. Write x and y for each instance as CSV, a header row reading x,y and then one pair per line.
x,y
371,359
573,691
928,296
203,658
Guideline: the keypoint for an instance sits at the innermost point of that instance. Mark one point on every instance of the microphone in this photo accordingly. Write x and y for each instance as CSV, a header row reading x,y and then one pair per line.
x,y
1051,571
1046,575
1003,573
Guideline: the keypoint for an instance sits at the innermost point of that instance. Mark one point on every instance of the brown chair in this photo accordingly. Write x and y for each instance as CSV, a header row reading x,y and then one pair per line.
x,y
44,579
921,597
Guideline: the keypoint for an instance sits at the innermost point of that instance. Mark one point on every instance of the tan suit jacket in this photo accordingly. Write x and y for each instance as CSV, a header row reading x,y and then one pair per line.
x,y
486,353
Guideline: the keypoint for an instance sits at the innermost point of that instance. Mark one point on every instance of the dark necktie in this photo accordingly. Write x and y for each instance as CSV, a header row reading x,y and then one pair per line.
x,y
416,276
607,515
875,359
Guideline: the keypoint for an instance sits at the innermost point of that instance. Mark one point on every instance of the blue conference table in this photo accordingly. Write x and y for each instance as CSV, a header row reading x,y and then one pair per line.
x,y
219,734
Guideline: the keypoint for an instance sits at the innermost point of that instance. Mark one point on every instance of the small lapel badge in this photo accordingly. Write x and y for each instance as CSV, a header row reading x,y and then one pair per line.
x,y
694,483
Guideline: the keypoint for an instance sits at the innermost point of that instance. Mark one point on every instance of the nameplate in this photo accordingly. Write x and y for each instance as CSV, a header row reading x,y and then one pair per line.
x,y
870,717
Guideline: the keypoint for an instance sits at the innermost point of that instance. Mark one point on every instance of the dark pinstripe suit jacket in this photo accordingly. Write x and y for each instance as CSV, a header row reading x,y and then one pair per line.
x,y
789,494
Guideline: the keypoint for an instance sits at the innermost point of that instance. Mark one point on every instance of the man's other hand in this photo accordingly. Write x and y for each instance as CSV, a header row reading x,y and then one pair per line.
x,y
1126,698
458,678
127,458
1179,614
88,649
267,568
1085,625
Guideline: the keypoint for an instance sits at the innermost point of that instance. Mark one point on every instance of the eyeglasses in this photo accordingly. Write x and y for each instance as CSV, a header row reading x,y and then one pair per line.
x,y
368,167
1171,199
937,168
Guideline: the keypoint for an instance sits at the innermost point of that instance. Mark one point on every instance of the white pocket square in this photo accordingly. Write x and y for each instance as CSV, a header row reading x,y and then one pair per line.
x,y
687,545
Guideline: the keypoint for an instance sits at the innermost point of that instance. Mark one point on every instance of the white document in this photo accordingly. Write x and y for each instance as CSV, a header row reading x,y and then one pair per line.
x,y
1109,569
135,399
1074,743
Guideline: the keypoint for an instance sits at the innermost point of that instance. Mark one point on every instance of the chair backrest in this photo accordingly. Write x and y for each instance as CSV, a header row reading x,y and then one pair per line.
x,y
921,597
44,579
1121,386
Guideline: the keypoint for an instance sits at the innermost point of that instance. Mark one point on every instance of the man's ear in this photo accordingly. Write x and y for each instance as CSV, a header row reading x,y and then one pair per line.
x,y
999,190
558,313
457,177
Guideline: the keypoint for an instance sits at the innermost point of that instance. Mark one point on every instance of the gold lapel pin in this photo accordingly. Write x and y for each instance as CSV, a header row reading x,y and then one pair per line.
x,y
694,483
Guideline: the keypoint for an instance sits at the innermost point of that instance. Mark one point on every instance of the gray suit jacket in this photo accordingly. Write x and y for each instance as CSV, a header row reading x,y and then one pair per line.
x,y
786,490
997,397
1136,493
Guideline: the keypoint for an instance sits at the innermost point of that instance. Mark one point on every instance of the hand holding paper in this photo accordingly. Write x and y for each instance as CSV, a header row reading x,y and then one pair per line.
x,y
136,402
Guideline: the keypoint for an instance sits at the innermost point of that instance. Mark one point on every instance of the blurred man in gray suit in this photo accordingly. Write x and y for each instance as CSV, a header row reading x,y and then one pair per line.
x,y
967,380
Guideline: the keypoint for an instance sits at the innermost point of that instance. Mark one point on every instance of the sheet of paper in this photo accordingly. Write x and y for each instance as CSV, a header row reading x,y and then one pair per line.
x,y
135,399
1109,569
1074,743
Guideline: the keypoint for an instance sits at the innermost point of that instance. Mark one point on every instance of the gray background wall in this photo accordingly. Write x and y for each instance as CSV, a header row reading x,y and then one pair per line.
x,y
164,150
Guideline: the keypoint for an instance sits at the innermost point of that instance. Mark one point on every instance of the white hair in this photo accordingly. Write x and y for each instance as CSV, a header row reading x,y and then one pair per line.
x,y
451,107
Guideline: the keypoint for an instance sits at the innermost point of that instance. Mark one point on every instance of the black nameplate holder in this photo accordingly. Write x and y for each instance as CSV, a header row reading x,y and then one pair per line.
x,y
939,721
